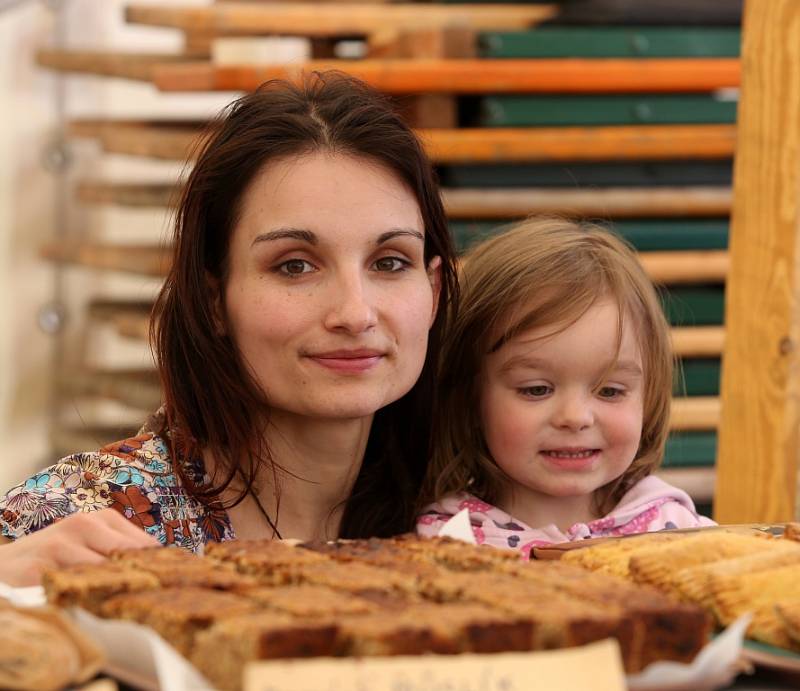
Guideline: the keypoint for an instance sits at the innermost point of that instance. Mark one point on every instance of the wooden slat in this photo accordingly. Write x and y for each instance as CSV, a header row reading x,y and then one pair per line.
x,y
134,326
139,259
135,388
137,138
472,76
698,483
103,309
126,65
314,2
759,438
580,143
469,145
698,341
695,413
671,268
339,19
663,267
129,319
623,202
127,194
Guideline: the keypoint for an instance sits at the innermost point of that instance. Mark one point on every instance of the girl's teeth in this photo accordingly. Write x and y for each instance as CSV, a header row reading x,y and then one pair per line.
x,y
570,454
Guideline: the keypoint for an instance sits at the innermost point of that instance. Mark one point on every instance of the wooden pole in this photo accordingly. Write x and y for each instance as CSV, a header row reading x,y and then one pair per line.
x,y
759,439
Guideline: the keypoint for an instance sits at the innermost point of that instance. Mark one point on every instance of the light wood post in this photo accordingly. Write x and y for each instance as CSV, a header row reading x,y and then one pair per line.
x,y
759,442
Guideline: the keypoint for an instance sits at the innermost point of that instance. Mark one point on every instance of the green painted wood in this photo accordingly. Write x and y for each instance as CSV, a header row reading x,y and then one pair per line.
x,y
650,235
531,111
690,450
646,235
697,377
612,42
694,305
610,174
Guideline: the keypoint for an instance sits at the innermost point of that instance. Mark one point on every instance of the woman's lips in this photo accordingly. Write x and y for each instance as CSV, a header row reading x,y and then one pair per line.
x,y
352,361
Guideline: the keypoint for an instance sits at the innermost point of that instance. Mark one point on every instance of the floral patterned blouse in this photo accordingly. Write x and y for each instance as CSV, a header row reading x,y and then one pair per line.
x,y
135,477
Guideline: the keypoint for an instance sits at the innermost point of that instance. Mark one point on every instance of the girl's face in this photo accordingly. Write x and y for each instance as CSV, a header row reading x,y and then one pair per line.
x,y
552,421
328,297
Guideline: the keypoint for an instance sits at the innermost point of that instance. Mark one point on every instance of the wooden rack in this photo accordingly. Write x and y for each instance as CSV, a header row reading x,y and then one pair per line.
x,y
446,57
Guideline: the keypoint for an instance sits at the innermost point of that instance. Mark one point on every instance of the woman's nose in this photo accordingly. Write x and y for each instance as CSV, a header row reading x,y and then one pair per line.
x,y
573,412
351,307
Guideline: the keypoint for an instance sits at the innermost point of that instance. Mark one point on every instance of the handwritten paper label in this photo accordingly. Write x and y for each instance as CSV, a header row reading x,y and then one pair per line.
x,y
597,666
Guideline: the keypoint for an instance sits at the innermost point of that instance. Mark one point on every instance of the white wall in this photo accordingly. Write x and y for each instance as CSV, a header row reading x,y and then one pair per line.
x,y
36,206
27,204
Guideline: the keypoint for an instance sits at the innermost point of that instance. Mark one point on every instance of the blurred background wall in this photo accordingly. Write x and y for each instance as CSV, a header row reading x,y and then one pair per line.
x,y
42,304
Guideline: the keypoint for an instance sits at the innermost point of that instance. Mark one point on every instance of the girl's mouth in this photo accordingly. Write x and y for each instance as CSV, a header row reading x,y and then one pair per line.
x,y
577,454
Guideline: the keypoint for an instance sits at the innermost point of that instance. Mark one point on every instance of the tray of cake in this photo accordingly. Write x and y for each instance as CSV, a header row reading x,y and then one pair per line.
x,y
244,602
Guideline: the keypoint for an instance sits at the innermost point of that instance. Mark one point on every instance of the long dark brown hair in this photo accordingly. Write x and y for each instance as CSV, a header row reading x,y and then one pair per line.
x,y
211,399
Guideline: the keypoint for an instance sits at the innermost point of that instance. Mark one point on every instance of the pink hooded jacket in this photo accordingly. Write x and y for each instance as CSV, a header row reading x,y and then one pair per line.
x,y
650,505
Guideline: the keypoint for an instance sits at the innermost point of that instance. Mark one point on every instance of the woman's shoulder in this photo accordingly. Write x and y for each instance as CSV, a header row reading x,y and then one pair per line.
x,y
134,476
84,481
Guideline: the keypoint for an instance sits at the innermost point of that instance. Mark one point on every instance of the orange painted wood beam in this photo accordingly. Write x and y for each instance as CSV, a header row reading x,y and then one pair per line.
x,y
471,76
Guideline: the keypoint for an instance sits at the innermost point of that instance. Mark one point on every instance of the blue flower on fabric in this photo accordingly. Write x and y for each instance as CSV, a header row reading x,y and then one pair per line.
x,y
154,466
164,481
42,482
129,476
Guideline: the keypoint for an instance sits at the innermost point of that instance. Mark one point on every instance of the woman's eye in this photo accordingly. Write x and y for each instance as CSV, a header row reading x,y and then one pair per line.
x,y
536,391
295,267
390,264
610,392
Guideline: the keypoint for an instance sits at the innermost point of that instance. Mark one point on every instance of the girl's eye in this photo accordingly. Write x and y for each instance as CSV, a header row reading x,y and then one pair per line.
x,y
295,267
391,264
610,392
536,391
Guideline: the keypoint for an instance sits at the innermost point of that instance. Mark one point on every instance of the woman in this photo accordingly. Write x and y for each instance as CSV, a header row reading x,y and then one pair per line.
x,y
312,272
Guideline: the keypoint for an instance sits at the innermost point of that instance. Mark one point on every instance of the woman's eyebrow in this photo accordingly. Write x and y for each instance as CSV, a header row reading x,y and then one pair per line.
x,y
389,235
287,234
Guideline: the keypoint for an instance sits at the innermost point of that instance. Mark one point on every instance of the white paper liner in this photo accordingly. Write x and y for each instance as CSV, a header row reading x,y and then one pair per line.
x,y
140,657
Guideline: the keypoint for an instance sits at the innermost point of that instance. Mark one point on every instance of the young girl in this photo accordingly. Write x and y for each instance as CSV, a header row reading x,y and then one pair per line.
x,y
554,398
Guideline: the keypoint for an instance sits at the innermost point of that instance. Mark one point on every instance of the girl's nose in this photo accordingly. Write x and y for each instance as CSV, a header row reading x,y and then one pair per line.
x,y
351,307
573,412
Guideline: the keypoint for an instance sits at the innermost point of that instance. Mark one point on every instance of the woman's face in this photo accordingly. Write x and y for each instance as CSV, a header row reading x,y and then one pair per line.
x,y
328,297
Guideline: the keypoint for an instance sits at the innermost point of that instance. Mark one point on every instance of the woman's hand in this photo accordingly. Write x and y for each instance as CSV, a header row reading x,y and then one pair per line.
x,y
83,538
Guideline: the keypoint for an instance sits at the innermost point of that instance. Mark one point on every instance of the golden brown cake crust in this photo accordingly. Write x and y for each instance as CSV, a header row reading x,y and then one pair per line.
x,y
89,585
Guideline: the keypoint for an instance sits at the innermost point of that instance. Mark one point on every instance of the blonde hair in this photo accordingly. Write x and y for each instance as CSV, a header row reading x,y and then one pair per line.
x,y
540,273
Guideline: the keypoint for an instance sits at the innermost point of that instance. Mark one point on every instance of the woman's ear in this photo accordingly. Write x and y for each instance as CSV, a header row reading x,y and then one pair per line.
x,y
435,277
217,307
